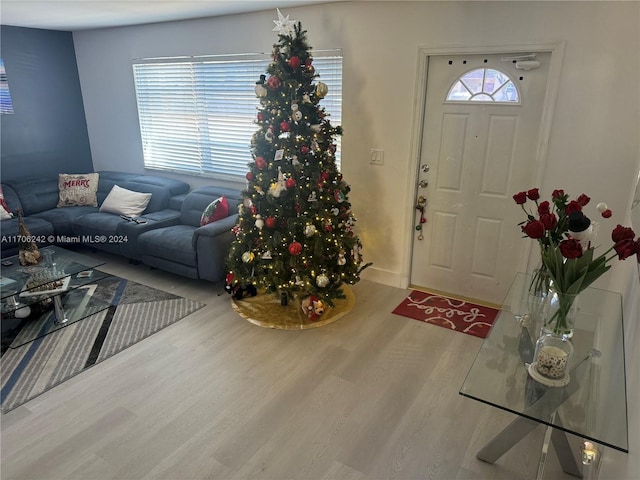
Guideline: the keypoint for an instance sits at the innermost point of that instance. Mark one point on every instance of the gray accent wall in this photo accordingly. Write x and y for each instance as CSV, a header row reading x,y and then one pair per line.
x,y
47,133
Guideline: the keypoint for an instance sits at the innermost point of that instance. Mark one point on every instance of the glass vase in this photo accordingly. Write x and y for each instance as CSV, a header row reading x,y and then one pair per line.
x,y
537,294
540,281
559,314
551,360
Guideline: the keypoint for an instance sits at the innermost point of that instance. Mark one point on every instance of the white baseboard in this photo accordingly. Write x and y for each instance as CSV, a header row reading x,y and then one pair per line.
x,y
385,277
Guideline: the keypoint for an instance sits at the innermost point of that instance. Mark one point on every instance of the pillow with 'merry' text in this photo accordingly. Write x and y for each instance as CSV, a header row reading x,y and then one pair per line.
x,y
77,189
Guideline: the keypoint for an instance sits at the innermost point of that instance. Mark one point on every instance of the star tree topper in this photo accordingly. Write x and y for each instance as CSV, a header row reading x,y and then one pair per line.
x,y
284,26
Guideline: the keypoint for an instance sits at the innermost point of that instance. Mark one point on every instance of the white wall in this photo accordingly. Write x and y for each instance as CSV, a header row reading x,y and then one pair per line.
x,y
593,148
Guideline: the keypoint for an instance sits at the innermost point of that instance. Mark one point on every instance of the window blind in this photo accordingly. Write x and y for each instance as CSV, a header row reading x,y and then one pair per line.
x,y
6,106
197,115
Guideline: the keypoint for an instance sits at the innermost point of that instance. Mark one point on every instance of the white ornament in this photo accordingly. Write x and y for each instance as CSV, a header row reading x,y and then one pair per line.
x,y
306,98
315,128
294,107
341,259
267,255
309,230
322,280
247,257
297,115
259,222
261,92
294,161
284,26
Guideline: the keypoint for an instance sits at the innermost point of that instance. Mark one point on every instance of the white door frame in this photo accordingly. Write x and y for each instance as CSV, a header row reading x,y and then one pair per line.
x,y
424,52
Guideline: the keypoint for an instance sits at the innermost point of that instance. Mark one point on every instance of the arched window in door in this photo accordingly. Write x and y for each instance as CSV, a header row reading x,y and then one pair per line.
x,y
484,85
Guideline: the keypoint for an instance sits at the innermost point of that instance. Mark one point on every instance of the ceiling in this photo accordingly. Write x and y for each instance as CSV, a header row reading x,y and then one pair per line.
x,y
74,15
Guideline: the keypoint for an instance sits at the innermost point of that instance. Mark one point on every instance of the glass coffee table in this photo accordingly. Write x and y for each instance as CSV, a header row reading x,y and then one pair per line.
x,y
593,406
40,299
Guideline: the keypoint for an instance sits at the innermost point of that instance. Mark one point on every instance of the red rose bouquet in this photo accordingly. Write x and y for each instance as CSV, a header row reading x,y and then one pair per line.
x,y
565,234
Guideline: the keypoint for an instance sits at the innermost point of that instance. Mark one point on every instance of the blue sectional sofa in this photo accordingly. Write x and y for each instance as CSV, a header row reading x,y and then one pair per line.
x,y
171,238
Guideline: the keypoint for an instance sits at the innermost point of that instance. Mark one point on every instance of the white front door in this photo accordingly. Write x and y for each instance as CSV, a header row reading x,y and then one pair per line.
x,y
478,148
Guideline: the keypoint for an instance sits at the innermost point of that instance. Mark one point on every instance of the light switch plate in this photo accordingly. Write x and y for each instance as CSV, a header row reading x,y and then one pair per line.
x,y
376,156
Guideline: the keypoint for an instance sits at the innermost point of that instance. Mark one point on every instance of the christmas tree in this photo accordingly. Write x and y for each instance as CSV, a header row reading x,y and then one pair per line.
x,y
294,235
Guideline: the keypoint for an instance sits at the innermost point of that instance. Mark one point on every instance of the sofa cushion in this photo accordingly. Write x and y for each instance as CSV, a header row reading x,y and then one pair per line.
x,y
97,223
62,218
175,187
128,232
36,194
77,189
172,243
215,211
125,202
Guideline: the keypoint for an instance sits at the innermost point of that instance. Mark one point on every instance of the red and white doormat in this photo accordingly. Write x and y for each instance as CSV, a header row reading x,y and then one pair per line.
x,y
458,315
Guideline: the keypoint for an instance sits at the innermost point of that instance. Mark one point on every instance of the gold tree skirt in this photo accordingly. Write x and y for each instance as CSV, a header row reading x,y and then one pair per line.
x,y
265,310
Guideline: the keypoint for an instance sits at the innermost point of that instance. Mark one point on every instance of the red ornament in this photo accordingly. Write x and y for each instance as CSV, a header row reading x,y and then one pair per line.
x,y
249,176
308,62
274,83
294,62
290,182
261,117
270,222
285,127
295,248
304,149
324,176
261,162
254,209
607,213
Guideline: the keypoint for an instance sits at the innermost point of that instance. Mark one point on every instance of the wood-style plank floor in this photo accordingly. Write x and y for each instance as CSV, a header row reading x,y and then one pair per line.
x,y
372,396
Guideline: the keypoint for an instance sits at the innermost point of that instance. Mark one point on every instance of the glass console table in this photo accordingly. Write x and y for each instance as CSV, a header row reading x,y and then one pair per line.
x,y
592,406
40,299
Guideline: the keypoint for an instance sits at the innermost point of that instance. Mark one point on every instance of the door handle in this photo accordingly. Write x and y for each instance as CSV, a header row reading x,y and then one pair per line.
x,y
423,184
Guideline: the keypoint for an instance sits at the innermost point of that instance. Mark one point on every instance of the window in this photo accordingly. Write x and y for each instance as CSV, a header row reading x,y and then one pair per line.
x,y
197,115
484,85
6,106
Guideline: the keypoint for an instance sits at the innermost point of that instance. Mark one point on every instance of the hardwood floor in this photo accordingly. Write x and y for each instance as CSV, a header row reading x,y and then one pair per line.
x,y
372,396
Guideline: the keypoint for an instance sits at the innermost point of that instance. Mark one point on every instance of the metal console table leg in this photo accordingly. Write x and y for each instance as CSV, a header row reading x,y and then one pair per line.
x,y
520,428
61,316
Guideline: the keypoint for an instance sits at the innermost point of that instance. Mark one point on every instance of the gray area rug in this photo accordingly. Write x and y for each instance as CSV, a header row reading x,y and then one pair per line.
x,y
135,312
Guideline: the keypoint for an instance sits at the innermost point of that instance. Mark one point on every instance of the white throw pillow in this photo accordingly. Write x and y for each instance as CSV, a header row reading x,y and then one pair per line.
x,y
125,202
